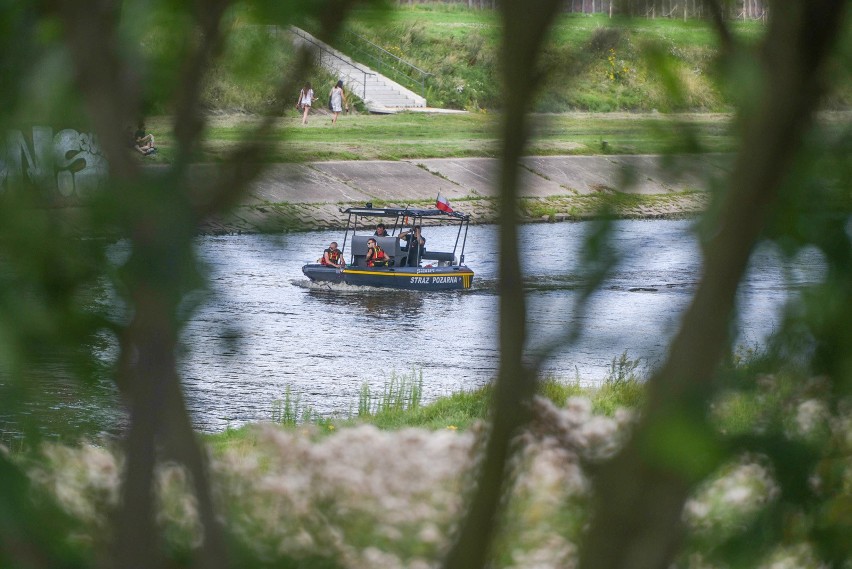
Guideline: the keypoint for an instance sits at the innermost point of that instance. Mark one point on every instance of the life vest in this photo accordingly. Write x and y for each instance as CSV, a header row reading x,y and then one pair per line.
x,y
333,256
375,255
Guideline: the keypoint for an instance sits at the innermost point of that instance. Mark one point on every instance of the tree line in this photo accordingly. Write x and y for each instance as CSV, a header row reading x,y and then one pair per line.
x,y
739,9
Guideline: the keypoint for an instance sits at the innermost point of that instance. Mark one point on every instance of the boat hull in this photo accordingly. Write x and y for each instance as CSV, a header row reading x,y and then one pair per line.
x,y
406,278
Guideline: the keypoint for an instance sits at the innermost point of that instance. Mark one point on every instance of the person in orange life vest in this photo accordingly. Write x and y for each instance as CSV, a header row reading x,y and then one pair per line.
x,y
331,257
376,257
381,231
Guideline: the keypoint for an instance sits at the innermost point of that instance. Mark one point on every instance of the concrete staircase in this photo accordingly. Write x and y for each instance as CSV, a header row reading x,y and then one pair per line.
x,y
380,94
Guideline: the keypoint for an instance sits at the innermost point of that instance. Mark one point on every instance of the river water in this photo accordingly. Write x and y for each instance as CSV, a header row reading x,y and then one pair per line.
x,y
265,329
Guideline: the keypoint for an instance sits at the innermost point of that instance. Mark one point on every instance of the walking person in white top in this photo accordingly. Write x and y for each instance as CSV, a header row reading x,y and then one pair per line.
x,y
305,100
338,100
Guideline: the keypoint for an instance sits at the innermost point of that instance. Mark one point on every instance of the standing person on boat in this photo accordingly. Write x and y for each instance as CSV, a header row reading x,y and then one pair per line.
x,y
381,231
376,257
305,100
337,101
331,257
414,244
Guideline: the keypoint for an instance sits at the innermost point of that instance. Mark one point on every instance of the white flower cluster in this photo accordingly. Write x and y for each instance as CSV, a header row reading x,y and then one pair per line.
x,y
592,437
361,496
177,511
728,500
841,428
85,482
811,419
799,556
547,510
555,553
345,493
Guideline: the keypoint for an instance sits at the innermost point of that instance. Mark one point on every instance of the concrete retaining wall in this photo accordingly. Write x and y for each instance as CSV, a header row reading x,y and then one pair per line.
x,y
554,188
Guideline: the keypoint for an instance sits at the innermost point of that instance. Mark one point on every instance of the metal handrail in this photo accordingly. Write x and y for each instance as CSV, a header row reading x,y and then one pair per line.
x,y
360,44
322,52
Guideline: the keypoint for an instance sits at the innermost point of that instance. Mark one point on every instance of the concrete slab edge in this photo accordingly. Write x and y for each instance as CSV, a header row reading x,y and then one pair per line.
x,y
278,218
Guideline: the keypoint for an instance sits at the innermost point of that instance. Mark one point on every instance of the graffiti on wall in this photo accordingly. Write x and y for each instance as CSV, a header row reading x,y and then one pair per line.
x,y
69,163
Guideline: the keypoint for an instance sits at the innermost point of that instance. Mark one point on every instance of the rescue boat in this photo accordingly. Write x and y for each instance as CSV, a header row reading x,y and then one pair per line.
x,y
411,268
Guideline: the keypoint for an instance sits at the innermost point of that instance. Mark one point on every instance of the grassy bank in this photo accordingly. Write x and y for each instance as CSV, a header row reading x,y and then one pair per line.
x,y
378,494
593,63
397,406
418,135
590,63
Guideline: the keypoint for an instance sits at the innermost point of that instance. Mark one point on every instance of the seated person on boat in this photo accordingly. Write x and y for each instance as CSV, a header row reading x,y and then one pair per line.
x,y
331,257
376,257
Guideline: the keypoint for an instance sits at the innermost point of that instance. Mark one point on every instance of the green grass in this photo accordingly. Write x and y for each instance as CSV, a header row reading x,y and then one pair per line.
x,y
590,63
456,411
460,48
399,407
604,92
418,135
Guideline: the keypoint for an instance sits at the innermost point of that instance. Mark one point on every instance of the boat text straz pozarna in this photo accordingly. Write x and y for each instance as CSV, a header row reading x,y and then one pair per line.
x,y
409,267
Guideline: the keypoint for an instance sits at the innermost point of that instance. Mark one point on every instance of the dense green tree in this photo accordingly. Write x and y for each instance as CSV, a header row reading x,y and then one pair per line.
x,y
64,297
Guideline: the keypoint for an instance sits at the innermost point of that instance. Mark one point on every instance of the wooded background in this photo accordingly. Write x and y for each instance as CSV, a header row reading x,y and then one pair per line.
x,y
739,9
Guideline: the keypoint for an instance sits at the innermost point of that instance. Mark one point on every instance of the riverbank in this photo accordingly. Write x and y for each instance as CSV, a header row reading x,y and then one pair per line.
x,y
359,497
309,196
397,405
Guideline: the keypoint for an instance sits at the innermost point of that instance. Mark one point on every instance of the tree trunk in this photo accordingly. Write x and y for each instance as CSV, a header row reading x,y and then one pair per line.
x,y
640,494
526,23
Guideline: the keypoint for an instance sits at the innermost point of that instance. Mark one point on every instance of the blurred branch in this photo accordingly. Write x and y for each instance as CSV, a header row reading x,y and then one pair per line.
x,y
91,36
147,370
161,264
243,164
717,15
639,495
110,87
189,121
526,25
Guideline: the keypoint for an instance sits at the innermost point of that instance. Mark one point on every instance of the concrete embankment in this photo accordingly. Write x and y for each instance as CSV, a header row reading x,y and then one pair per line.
x,y
553,188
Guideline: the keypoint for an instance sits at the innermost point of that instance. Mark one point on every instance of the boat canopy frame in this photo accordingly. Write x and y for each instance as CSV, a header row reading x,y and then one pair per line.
x,y
407,218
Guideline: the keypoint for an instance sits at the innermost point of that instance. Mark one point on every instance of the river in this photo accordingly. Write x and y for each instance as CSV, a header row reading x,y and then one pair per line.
x,y
266,330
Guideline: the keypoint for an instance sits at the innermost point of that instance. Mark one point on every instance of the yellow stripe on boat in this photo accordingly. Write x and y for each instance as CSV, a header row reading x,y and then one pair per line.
x,y
389,274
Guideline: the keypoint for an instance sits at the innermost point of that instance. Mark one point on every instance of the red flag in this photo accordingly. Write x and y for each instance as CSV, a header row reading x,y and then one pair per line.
x,y
442,204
